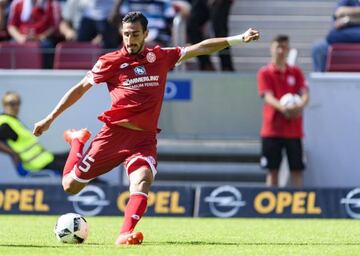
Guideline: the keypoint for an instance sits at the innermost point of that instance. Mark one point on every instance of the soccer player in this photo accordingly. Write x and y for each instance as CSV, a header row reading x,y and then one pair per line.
x,y
135,77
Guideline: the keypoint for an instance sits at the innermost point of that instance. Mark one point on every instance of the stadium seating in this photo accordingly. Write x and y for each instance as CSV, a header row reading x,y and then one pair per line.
x,y
343,58
76,55
305,21
21,56
211,161
4,36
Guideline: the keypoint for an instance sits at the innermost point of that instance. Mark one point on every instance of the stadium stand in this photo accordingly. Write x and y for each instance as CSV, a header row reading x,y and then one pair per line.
x,y
76,55
17,56
303,20
210,161
343,58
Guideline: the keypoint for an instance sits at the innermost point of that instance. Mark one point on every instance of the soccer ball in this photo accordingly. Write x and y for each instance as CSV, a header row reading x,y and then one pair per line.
x,y
71,228
290,100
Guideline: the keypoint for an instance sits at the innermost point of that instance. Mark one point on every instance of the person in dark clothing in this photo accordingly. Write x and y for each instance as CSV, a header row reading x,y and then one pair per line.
x,y
216,11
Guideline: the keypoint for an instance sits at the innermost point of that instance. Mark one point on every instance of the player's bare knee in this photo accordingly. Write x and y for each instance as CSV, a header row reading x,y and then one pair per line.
x,y
142,185
70,187
67,188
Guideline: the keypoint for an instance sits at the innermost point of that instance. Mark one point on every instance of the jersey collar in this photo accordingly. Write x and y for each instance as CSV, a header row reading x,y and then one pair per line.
x,y
140,55
274,68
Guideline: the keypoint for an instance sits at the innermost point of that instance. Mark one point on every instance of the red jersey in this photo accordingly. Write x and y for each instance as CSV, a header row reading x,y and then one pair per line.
x,y
271,79
41,17
136,84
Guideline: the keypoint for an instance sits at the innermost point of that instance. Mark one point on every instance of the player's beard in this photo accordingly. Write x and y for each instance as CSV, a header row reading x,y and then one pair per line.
x,y
141,48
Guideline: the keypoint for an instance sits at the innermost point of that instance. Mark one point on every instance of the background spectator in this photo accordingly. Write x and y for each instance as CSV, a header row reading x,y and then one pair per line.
x,y
35,20
282,125
2,14
20,144
95,21
183,7
346,29
4,11
217,11
71,16
17,141
160,14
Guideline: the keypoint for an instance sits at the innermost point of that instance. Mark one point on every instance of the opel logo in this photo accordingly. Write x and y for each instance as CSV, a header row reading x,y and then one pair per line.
x,y
90,201
225,201
352,203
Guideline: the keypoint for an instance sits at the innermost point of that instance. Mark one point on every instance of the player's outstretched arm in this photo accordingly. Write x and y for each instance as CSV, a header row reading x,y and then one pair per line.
x,y
70,97
212,45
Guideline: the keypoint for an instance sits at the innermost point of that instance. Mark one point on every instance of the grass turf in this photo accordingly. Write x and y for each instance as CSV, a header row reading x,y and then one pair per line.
x,y
32,235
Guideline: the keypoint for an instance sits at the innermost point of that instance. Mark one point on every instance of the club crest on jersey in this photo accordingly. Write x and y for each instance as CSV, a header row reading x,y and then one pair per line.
x,y
291,80
140,70
151,57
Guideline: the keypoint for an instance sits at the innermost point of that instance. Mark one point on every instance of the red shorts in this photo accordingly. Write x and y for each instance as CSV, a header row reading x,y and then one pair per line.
x,y
112,146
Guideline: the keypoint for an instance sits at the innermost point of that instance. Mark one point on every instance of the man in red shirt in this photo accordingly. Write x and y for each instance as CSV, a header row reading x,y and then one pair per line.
x,y
32,20
135,78
282,123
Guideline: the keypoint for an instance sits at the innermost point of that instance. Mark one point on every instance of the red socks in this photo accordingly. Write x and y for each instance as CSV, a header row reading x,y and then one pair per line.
x,y
74,156
135,209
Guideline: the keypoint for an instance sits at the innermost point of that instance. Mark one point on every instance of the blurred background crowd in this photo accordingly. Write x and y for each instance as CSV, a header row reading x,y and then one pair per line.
x,y
93,25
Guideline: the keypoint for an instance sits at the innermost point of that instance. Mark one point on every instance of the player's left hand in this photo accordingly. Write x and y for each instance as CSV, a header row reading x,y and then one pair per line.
x,y
251,35
42,126
293,111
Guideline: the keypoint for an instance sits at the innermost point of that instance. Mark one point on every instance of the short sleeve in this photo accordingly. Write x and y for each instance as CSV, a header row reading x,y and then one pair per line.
x,y
301,82
173,55
14,15
264,82
7,133
101,72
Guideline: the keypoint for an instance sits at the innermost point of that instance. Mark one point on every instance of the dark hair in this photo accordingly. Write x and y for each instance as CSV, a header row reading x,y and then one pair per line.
x,y
280,38
133,17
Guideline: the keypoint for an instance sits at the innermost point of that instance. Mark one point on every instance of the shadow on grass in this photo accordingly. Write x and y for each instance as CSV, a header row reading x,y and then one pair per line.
x,y
49,246
202,243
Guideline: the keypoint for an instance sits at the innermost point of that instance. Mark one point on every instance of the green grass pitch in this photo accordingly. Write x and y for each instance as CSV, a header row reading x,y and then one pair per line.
x,y
33,235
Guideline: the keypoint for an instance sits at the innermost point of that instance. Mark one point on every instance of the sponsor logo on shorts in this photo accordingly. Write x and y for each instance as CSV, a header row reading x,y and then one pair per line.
x,y
263,161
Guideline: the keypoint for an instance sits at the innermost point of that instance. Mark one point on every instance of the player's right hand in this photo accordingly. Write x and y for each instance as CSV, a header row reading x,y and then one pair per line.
x,y
251,35
42,126
292,111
